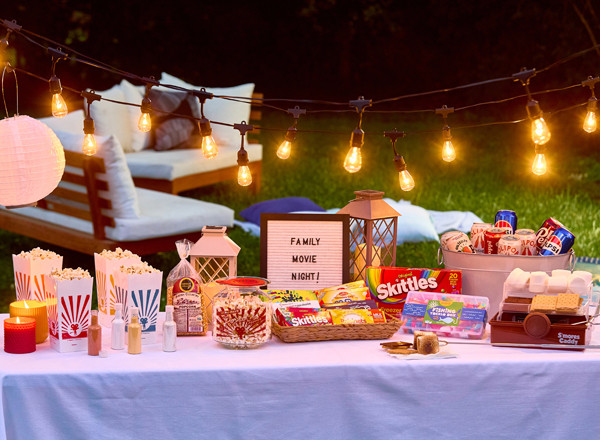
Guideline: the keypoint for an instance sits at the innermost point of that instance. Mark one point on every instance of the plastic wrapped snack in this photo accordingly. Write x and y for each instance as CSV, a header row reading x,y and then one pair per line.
x,y
184,293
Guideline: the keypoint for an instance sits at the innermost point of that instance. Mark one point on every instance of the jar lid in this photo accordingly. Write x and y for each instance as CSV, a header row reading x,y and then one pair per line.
x,y
244,281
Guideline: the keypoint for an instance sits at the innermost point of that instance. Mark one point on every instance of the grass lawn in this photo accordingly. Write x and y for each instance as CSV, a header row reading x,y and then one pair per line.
x,y
491,172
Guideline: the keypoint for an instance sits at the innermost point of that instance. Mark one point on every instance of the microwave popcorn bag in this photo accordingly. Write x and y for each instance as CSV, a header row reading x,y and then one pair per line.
x,y
107,265
140,286
185,295
69,302
30,268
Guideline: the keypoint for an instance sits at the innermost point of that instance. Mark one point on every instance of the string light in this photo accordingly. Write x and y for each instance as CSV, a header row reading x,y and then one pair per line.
x,y
145,121
448,152
405,179
589,123
59,106
209,146
540,133
10,27
353,161
244,176
285,148
89,140
539,166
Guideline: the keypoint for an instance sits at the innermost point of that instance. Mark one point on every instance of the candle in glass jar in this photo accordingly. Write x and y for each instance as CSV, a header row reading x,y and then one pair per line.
x,y
19,335
34,309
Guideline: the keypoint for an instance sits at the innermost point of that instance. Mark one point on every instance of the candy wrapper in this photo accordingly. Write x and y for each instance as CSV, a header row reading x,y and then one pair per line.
x,y
184,293
357,316
295,317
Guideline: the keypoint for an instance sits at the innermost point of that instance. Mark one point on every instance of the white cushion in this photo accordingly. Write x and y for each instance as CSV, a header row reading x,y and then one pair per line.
x,y
110,118
221,110
71,123
157,217
121,188
172,164
132,94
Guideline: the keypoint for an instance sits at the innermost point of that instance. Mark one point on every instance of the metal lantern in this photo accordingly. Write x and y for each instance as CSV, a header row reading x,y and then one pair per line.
x,y
32,161
214,256
373,232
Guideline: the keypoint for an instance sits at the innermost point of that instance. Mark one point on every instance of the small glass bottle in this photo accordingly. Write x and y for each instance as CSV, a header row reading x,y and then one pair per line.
x,y
117,335
134,333
94,335
169,331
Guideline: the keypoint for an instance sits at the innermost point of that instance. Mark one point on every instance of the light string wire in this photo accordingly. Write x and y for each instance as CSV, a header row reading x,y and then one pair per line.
x,y
106,67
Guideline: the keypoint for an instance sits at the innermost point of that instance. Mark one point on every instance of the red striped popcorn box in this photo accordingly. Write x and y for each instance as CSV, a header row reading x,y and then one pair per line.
x,y
30,268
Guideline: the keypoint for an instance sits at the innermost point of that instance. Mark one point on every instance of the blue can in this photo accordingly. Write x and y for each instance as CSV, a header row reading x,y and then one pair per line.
x,y
506,219
560,242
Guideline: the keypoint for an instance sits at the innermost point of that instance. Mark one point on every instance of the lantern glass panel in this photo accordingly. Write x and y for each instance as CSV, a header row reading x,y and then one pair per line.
x,y
372,243
212,268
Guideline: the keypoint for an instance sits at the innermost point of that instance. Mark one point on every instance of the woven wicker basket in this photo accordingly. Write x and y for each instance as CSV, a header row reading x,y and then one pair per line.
x,y
336,332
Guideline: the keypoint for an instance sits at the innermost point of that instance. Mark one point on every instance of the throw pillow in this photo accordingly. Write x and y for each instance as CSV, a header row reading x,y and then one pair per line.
x,y
221,110
111,118
72,123
132,94
121,192
171,131
281,206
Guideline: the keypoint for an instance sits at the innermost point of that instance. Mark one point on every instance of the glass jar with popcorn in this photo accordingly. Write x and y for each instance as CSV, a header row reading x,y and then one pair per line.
x,y
242,313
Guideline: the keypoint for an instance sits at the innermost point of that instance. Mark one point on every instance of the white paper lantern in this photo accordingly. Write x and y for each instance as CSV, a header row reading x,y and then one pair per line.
x,y
32,161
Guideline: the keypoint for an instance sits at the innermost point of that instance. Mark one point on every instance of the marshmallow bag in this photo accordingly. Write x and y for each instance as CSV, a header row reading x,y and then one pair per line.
x,y
484,275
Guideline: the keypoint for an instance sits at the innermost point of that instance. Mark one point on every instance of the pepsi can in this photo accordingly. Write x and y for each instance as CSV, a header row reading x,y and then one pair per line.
x,y
560,242
505,218
545,231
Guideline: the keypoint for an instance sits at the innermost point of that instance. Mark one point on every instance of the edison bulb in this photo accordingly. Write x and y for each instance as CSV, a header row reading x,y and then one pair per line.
x,y
448,153
209,148
284,150
539,131
539,164
353,160
145,123
89,145
59,106
589,123
406,181
244,175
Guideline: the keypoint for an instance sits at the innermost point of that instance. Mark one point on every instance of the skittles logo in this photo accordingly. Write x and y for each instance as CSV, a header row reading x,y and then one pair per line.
x,y
503,224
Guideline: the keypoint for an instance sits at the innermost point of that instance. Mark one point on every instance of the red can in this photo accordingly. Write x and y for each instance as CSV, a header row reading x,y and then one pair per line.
x,y
528,241
492,236
509,245
547,229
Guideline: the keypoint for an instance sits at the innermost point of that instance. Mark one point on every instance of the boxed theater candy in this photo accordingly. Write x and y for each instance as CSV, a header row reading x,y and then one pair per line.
x,y
389,286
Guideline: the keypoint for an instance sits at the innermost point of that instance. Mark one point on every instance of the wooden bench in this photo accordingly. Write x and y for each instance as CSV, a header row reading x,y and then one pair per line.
x,y
86,205
199,180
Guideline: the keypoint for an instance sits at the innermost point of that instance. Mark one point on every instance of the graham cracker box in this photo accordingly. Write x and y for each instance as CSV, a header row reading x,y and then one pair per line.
x,y
69,303
30,268
107,265
389,286
140,286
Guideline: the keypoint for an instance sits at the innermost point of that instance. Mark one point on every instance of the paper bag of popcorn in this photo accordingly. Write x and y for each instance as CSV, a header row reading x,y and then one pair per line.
x,y
69,302
30,268
140,286
107,265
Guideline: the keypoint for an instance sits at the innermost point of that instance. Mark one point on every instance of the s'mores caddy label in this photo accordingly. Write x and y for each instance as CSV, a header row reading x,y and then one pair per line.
x,y
389,286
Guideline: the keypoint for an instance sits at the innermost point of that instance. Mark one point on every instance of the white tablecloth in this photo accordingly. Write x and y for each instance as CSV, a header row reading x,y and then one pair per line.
x,y
320,390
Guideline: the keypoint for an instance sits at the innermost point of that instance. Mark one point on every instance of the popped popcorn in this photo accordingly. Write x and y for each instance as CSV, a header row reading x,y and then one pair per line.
x,y
117,254
138,269
70,274
38,253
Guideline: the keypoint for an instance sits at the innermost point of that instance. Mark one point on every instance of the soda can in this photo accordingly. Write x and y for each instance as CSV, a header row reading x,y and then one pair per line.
x,y
509,245
460,242
547,229
505,218
492,236
560,242
528,241
444,238
478,235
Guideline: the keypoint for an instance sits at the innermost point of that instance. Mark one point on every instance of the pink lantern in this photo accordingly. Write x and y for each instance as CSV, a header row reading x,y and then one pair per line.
x,y
32,161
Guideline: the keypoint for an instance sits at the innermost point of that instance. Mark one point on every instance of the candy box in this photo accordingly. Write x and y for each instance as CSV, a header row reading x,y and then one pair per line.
x,y
30,268
69,304
357,316
140,286
107,265
293,298
295,317
389,286
366,304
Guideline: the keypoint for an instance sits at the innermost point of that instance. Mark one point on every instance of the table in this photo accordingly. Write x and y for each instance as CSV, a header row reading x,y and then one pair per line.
x,y
319,390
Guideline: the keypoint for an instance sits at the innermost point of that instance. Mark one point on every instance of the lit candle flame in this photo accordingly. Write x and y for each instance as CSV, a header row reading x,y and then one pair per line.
x,y
18,320
26,305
